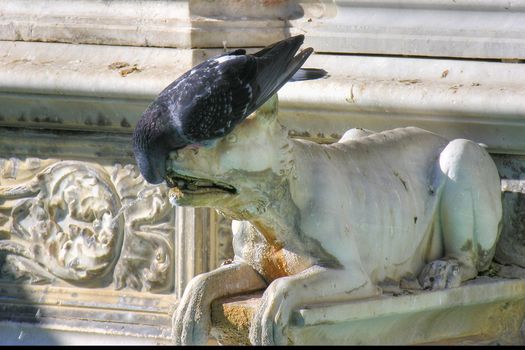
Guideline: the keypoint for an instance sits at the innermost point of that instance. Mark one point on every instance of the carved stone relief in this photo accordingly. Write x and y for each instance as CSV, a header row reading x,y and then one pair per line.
x,y
511,246
85,224
224,247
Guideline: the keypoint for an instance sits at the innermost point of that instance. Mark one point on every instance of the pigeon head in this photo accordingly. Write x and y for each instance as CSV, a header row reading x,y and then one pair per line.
x,y
154,137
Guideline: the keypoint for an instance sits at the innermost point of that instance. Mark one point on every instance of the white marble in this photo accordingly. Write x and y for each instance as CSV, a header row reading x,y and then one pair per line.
x,y
321,223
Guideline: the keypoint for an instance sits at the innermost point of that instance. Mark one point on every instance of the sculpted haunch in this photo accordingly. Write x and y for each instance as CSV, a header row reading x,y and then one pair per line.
x,y
330,222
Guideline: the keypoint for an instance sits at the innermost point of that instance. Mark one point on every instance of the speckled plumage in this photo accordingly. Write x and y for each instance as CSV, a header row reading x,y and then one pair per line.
x,y
208,101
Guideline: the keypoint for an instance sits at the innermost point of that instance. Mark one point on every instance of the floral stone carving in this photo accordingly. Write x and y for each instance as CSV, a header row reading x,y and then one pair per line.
x,y
78,222
334,222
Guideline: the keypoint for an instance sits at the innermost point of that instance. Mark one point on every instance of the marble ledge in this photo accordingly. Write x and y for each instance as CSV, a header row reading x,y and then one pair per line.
x,y
483,311
106,88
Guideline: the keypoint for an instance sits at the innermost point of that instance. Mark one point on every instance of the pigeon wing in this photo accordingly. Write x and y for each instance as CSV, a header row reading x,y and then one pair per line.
x,y
216,97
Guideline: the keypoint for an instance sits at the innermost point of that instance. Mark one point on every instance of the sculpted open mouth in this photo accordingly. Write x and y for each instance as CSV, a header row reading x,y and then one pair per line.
x,y
184,184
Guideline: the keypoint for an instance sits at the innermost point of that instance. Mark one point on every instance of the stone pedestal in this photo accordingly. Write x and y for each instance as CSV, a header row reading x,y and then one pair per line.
x,y
483,311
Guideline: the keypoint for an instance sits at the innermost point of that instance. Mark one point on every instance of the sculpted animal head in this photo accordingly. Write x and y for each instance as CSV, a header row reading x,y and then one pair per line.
x,y
232,173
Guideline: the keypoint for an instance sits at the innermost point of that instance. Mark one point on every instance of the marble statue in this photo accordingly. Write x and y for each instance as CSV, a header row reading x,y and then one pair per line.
x,y
318,223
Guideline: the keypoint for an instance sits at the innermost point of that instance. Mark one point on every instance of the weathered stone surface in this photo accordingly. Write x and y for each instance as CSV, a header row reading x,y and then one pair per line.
x,y
63,315
87,247
511,246
432,28
231,318
483,311
82,223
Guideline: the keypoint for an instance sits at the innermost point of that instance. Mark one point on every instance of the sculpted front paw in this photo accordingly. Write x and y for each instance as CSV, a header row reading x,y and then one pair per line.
x,y
190,326
440,274
270,320
185,334
192,319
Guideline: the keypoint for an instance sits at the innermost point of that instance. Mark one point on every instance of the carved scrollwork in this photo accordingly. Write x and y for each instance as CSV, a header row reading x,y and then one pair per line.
x,y
146,262
224,237
65,219
78,222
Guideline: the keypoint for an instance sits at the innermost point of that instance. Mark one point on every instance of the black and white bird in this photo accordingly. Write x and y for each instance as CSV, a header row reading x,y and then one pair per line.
x,y
207,102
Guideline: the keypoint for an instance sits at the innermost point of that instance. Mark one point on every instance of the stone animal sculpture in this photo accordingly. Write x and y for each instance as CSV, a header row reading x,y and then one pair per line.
x,y
330,222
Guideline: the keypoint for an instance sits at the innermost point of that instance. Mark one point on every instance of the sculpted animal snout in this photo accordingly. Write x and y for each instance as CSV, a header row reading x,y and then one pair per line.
x,y
174,155
184,154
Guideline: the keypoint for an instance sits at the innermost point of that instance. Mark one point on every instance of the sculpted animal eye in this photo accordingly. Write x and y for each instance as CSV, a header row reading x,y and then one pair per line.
x,y
231,138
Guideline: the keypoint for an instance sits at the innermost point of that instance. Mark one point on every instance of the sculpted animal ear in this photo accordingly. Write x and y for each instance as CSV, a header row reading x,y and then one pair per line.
x,y
267,113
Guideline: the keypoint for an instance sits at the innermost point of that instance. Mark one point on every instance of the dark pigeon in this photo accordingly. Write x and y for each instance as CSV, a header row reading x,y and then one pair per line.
x,y
208,101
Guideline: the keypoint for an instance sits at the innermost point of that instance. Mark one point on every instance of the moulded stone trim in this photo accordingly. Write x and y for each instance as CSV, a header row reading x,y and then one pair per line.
x,y
82,311
134,23
440,28
483,311
471,29
63,86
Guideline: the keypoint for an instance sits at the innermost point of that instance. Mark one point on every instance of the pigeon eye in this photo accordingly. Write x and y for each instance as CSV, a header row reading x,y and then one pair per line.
x,y
231,138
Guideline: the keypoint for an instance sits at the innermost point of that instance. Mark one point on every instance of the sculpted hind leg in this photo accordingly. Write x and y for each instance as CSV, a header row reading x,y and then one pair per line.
x,y
470,215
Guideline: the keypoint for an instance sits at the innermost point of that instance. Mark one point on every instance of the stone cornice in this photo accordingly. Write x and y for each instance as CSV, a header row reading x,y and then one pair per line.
x,y
438,28
77,87
471,29
134,23
477,100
